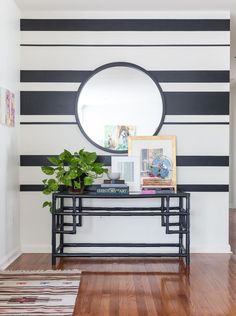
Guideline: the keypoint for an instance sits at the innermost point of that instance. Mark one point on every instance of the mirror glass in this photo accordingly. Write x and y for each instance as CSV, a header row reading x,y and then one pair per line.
x,y
118,101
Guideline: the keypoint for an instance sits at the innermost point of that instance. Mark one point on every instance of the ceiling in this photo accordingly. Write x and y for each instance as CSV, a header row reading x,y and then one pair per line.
x,y
140,5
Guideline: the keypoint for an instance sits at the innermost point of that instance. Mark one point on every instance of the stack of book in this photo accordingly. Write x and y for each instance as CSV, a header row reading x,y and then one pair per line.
x,y
151,190
113,189
154,185
156,182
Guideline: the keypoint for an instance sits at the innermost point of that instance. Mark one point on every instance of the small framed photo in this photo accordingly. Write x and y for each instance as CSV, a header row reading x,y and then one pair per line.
x,y
116,136
157,157
129,168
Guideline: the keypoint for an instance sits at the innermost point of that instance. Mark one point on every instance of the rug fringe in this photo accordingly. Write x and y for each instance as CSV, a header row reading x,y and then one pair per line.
x,y
72,271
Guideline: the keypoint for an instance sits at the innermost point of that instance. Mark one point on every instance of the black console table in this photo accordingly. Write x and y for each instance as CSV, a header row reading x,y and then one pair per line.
x,y
68,210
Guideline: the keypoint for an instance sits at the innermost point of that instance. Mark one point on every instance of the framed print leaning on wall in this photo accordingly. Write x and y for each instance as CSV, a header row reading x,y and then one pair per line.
x,y
129,168
157,156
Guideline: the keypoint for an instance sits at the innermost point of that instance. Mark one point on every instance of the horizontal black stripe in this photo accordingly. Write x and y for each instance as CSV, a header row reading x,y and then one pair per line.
x,y
124,45
216,161
185,187
165,123
197,103
47,103
177,103
48,123
211,161
41,160
203,187
124,25
161,76
54,75
188,123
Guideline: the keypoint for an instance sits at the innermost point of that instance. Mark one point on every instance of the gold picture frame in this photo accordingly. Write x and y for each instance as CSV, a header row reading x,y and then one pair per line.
x,y
157,160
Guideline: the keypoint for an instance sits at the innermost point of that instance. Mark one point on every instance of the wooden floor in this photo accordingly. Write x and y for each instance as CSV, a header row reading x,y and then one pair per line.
x,y
149,287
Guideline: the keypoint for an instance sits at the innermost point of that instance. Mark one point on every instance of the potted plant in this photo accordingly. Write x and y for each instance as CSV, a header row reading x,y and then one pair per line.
x,y
73,171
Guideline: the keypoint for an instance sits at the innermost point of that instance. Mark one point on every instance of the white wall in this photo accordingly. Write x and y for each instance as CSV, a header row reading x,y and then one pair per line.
x,y
232,191
9,154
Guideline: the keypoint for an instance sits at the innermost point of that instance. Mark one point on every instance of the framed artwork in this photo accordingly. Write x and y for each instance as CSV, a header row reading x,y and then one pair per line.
x,y
157,156
116,136
12,111
129,168
7,107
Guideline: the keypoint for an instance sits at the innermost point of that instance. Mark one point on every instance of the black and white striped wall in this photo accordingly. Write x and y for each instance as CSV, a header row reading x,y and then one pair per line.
x,y
190,58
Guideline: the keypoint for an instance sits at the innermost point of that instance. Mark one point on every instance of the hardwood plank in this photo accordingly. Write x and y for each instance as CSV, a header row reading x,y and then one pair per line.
x,y
149,286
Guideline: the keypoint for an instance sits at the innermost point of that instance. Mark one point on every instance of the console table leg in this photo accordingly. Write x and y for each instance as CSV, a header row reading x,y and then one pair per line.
x,y
62,226
80,211
54,260
53,230
188,230
180,225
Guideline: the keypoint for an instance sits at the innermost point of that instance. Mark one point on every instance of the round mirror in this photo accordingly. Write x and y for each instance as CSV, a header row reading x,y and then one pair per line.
x,y
119,100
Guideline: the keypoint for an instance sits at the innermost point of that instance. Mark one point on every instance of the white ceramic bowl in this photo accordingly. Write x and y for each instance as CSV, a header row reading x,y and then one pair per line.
x,y
113,175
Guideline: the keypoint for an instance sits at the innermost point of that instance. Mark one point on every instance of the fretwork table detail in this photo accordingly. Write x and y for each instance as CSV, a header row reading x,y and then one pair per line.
x,y
62,212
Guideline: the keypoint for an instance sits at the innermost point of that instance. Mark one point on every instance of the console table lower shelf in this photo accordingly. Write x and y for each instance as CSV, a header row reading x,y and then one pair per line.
x,y
68,211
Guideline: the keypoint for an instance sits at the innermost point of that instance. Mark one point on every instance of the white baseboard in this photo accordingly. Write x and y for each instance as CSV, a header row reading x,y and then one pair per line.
x,y
36,249
232,205
8,259
211,249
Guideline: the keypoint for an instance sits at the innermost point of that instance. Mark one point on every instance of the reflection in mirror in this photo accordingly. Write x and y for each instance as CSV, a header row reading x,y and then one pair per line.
x,y
116,102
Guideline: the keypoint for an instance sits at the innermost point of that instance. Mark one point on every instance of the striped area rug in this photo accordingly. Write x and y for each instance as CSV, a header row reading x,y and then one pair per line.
x,y
26,293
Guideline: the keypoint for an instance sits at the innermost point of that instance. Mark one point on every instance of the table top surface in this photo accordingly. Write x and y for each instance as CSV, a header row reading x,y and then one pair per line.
x,y
130,195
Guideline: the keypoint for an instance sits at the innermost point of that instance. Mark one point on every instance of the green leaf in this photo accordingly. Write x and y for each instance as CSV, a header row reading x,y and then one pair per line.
x,y
74,161
73,174
80,172
66,156
47,203
53,185
91,157
98,168
48,170
88,180
67,181
81,152
47,191
60,173
54,160
77,185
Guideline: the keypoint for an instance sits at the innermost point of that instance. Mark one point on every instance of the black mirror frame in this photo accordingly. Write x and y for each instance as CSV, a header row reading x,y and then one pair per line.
x,y
110,65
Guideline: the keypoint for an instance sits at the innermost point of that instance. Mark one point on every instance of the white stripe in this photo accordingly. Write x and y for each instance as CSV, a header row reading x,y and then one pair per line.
x,y
195,86
70,138
150,58
129,14
47,118
203,175
168,118
166,86
127,37
185,175
199,139
197,118
49,86
191,139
